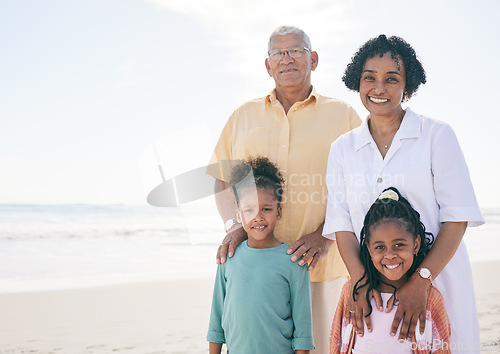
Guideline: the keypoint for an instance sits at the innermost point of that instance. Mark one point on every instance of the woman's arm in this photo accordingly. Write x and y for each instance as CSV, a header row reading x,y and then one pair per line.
x,y
455,196
349,250
413,295
338,217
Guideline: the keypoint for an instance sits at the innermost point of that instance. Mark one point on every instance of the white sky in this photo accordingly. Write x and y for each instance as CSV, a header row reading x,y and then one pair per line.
x,y
86,87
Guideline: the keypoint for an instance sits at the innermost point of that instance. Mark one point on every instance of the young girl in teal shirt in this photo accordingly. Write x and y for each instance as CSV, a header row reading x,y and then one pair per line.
x,y
262,300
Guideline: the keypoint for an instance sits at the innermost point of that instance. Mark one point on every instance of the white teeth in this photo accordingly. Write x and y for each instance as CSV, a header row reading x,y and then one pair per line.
x,y
392,266
258,227
378,100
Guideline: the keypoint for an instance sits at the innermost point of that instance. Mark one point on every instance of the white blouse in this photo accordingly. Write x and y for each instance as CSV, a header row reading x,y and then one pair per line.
x,y
424,162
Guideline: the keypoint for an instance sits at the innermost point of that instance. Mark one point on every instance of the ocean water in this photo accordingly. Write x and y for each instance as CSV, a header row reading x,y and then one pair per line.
x,y
45,247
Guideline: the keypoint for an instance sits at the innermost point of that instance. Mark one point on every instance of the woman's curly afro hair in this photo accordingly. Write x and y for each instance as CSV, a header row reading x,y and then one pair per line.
x,y
399,48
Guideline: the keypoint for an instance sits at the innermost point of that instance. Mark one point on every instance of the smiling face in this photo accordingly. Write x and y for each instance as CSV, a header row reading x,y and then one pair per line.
x,y
392,249
382,86
289,72
259,212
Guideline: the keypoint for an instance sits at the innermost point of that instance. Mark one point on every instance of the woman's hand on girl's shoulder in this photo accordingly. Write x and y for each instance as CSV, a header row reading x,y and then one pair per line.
x,y
357,310
411,300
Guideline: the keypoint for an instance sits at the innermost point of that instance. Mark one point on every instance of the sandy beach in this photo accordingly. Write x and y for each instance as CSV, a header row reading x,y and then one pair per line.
x,y
160,317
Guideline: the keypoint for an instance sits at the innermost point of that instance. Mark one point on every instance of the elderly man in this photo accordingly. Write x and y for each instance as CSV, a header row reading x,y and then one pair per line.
x,y
294,127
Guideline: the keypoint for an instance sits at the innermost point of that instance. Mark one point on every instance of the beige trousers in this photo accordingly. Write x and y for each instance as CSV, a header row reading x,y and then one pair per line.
x,y
324,297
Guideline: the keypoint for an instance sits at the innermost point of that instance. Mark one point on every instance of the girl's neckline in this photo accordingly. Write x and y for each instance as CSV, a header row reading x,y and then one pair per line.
x,y
261,249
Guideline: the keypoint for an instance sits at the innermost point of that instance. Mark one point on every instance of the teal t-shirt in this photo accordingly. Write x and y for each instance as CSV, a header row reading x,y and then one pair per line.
x,y
261,303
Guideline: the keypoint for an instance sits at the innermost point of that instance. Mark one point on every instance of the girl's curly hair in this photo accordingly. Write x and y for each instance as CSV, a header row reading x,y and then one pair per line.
x,y
265,175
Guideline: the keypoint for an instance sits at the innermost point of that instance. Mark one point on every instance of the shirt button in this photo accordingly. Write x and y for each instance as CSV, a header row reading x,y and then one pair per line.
x,y
379,180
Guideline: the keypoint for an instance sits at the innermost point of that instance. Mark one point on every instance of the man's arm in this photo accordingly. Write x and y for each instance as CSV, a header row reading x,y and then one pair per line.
x,y
224,200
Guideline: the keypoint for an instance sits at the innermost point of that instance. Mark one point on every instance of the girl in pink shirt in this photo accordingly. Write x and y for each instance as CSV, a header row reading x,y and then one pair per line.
x,y
393,244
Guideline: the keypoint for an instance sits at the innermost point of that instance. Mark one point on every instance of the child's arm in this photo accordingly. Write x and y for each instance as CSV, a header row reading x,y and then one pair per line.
x,y
300,352
440,322
216,333
349,251
338,331
215,348
300,301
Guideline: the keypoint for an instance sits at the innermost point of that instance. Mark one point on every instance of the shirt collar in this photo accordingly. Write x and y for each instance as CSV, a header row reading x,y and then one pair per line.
x,y
411,127
313,97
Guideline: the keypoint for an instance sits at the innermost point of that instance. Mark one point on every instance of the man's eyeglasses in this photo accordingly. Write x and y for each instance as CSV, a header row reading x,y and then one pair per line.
x,y
294,53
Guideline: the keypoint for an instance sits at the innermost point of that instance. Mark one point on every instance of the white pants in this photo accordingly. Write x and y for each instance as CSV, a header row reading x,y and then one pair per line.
x,y
324,297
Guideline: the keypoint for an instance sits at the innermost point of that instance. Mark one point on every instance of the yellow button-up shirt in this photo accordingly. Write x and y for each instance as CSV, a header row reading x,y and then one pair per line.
x,y
299,144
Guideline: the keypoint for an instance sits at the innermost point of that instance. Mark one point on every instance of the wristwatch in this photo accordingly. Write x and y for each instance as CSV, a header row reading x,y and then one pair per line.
x,y
425,273
229,224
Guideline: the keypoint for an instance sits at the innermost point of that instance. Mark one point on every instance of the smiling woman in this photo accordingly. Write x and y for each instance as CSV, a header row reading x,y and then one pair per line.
x,y
385,73
382,86
422,158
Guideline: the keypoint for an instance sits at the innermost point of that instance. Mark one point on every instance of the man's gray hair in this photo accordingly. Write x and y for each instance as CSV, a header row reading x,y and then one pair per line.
x,y
281,31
